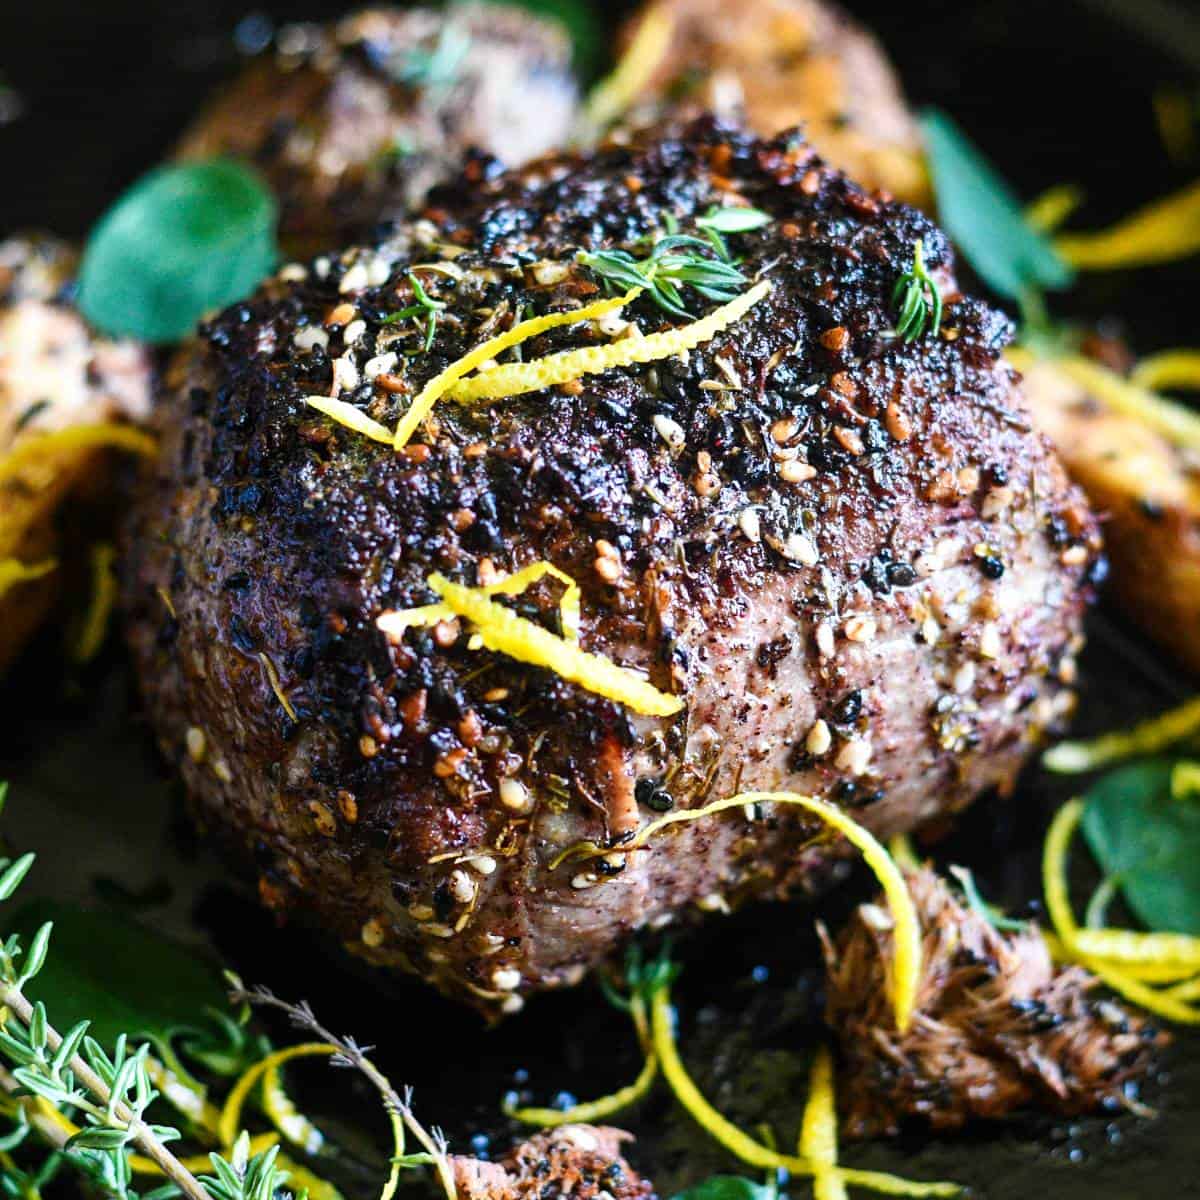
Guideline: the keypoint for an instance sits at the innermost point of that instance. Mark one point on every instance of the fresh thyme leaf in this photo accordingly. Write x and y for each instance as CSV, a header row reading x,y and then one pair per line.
x,y
919,299
734,219
672,261
1144,830
184,240
425,307
989,912
984,218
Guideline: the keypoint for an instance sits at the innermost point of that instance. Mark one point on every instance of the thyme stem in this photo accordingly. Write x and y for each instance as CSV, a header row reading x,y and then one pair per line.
x,y
13,999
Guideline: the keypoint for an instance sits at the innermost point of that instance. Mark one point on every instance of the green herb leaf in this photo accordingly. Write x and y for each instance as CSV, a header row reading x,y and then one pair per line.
x,y
181,242
117,975
725,1187
1146,836
984,218
734,219
918,298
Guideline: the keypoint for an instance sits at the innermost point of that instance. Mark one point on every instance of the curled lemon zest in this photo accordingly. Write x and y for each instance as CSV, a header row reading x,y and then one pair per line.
x,y
140,1165
14,572
819,1129
1055,853
1145,739
350,416
906,924
231,1112
1128,946
515,379
1185,990
286,1117
1169,369
441,383
37,447
615,93
1053,207
1159,232
503,632
740,1144
273,679
100,606
592,1111
902,850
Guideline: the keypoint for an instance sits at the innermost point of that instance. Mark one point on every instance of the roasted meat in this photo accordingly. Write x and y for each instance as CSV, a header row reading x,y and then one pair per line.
x,y
847,553
352,123
780,63
997,1028
583,1162
55,373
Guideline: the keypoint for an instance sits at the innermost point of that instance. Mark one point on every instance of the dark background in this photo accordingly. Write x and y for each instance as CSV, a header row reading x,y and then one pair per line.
x,y
1056,91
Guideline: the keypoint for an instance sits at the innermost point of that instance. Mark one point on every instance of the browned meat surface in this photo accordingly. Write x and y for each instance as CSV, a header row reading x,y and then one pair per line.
x,y
1147,490
352,123
849,554
998,1027
54,373
583,1162
780,63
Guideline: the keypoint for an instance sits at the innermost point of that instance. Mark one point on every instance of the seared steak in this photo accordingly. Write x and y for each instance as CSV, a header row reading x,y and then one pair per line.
x,y
352,122
847,553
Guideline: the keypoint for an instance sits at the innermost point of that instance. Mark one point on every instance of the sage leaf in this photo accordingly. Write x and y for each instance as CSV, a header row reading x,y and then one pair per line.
x,y
184,240
983,216
1147,840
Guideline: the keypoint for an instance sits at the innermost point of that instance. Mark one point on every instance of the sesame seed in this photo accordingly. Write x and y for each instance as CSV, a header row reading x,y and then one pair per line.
x,y
964,678
367,746
515,796
221,771
353,332
420,912
609,569
292,273
347,805
792,470
355,279
849,440
436,930
381,364
1074,556
930,630
310,336
584,880
824,640
506,979
462,887
898,425
713,902
670,431
512,1004
445,633
819,739
996,501
378,271
323,819
802,549
341,314
373,932
547,273
860,628
345,373
854,756
196,743
485,864
605,549
989,641
749,524
784,429
835,339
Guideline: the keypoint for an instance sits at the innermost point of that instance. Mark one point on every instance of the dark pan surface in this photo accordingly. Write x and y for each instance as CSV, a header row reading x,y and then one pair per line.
x,y
1061,96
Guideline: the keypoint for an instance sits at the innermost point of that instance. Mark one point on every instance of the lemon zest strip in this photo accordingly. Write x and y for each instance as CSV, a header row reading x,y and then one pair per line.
x,y
350,416
1169,369
1128,946
514,379
30,449
99,610
503,632
231,1111
1055,852
819,1129
286,1117
1049,210
591,1111
441,383
1144,739
1158,232
617,91
906,924
14,572
740,1144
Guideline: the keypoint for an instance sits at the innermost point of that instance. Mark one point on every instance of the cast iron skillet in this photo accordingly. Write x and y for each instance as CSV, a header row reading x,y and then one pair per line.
x,y
1060,94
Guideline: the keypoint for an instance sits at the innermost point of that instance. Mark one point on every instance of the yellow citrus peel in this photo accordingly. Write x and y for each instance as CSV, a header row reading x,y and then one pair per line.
x,y
906,924
1169,369
1055,853
503,632
819,1129
1147,738
104,596
1160,232
441,383
618,91
1053,207
286,1117
1128,946
514,379
14,572
740,1144
351,417
36,448
600,1109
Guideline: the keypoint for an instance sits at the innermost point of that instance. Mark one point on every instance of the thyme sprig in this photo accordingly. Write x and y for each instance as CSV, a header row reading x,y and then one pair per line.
x,y
424,307
721,220
674,261
920,302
